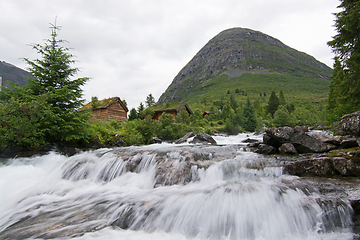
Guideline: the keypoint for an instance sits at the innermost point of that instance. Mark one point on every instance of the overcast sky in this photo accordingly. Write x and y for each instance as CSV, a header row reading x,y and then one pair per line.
x,y
130,48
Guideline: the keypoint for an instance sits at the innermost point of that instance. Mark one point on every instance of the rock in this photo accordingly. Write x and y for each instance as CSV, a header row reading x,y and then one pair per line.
x,y
185,138
203,138
349,143
301,129
254,144
302,142
118,142
305,143
287,148
265,149
325,167
334,140
321,166
154,140
277,136
350,124
249,140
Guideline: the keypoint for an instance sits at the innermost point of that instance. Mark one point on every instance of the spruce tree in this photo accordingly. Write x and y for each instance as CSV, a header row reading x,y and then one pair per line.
x,y
345,88
150,100
53,75
250,121
282,100
273,103
53,86
133,114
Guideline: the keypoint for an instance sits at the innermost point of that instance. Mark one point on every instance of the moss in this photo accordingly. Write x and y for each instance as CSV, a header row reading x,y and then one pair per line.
x,y
345,153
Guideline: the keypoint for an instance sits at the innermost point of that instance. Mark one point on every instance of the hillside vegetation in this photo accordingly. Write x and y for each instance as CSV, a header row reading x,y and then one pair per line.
x,y
247,51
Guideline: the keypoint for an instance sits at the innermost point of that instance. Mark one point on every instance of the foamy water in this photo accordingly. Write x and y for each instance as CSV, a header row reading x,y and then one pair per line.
x,y
108,194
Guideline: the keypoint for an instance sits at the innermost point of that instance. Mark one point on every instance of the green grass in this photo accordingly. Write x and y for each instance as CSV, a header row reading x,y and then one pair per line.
x,y
296,88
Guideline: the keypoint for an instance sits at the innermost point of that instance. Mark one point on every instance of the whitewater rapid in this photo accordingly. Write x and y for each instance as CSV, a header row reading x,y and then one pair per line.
x,y
164,191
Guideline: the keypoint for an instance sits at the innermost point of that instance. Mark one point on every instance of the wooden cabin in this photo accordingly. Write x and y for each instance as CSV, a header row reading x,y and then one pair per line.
x,y
172,109
106,109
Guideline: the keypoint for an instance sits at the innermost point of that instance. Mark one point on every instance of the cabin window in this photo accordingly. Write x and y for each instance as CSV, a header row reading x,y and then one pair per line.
x,y
98,112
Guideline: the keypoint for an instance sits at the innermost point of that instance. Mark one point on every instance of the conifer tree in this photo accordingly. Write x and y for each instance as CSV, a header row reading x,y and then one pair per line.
x,y
133,114
250,121
150,100
282,100
273,103
52,83
344,94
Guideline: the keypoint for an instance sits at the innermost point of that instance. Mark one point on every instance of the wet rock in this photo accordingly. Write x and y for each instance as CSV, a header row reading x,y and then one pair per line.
x,y
185,138
249,140
350,124
203,138
305,143
302,142
325,167
301,129
118,142
155,140
334,140
311,167
277,136
254,144
265,149
287,148
349,143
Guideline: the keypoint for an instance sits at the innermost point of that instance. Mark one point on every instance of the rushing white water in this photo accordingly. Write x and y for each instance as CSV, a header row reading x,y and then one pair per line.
x,y
163,192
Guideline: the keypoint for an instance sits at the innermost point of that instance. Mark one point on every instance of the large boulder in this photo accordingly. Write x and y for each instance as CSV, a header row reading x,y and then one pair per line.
x,y
325,167
155,140
350,124
277,136
305,143
185,138
265,149
287,148
203,138
299,138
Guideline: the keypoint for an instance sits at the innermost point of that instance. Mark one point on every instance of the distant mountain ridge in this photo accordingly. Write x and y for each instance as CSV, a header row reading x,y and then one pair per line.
x,y
9,72
240,50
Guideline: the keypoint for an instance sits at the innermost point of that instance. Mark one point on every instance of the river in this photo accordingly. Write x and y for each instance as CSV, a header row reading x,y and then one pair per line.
x,y
165,191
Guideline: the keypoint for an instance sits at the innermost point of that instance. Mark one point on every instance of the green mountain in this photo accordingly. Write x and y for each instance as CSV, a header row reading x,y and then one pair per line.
x,y
250,63
9,72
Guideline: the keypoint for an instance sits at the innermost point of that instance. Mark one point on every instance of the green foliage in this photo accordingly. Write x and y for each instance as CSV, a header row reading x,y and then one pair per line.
x,y
133,114
94,102
282,100
233,103
150,100
249,122
21,123
140,110
183,117
282,117
344,94
273,103
52,94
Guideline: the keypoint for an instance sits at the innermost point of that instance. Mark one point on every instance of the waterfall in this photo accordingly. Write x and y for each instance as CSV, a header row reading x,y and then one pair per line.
x,y
164,192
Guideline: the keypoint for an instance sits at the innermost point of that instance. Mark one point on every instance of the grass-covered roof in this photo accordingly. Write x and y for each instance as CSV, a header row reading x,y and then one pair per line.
x,y
169,107
104,103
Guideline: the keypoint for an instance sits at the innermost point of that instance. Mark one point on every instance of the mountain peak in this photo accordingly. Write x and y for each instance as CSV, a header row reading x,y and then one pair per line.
x,y
244,50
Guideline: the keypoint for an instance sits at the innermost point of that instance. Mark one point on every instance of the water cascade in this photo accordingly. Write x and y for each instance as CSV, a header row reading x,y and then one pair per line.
x,y
165,191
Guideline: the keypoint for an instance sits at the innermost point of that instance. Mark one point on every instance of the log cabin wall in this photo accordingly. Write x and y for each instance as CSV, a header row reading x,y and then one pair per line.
x,y
113,112
116,112
99,114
